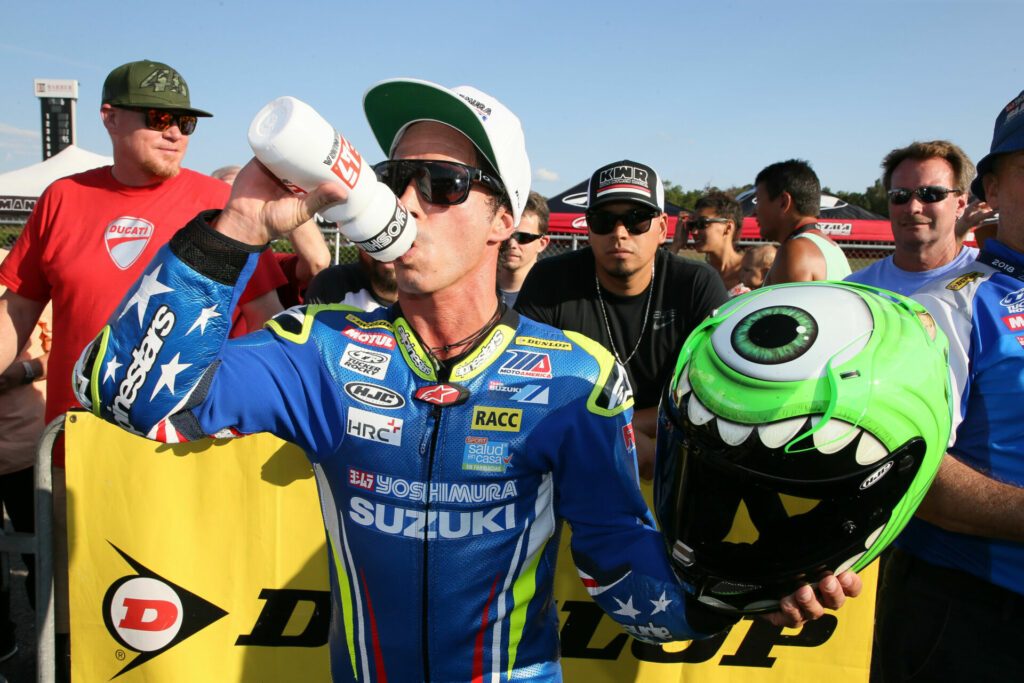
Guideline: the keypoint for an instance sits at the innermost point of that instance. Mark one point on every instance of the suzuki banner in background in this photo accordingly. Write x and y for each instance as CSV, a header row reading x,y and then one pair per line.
x,y
207,562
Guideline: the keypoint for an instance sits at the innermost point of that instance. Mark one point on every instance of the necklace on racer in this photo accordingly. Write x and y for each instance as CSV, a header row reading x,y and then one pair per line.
x,y
445,348
608,327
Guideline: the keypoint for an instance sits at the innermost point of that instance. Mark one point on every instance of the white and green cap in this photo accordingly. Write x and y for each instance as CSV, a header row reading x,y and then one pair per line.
x,y
393,105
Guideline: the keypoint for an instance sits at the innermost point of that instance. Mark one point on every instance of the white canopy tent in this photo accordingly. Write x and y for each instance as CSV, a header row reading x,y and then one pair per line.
x,y
19,189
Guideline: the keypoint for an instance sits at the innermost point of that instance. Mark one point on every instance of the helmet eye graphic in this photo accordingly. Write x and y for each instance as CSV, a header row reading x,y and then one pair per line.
x,y
776,334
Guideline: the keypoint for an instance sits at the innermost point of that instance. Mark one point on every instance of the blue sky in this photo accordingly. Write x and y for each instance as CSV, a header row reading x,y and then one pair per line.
x,y
705,92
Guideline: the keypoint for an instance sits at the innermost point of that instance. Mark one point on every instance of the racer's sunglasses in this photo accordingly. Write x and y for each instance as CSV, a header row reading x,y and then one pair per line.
x,y
929,194
444,183
524,237
161,120
636,221
702,223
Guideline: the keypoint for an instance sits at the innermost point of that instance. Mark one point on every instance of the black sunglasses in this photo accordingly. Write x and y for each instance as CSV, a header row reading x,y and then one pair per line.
x,y
929,194
702,222
161,120
444,183
636,221
524,237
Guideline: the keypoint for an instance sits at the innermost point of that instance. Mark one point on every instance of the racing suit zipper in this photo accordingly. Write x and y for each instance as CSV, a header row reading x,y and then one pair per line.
x,y
435,415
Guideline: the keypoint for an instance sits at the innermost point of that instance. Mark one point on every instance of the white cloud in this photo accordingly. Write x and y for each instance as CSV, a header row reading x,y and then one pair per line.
x,y
7,129
545,174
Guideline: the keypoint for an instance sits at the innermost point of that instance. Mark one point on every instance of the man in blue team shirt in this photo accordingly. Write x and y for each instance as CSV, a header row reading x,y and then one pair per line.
x,y
927,186
952,596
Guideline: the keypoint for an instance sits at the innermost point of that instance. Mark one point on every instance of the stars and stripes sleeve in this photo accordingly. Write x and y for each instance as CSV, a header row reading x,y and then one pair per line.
x,y
151,368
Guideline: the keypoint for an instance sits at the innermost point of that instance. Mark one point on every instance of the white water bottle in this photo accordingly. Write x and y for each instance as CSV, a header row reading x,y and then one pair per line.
x,y
303,150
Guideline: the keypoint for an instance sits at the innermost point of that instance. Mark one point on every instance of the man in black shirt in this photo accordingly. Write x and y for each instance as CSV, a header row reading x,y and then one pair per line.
x,y
639,301
367,284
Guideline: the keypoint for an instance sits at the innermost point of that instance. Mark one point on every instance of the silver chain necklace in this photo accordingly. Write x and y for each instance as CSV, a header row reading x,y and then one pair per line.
x,y
608,328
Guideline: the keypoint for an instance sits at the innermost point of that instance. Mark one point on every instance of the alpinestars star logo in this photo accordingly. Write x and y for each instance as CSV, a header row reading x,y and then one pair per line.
x,y
148,614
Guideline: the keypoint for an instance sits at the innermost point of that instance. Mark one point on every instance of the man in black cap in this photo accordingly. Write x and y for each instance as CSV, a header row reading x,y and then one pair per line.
x,y
951,600
91,234
640,302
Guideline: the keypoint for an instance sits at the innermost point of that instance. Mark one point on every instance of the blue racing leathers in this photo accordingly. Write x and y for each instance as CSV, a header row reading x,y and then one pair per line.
x,y
981,310
441,493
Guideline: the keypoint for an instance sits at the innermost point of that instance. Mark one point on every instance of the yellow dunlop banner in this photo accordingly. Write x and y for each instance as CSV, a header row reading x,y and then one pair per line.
x,y
835,648
206,562
194,562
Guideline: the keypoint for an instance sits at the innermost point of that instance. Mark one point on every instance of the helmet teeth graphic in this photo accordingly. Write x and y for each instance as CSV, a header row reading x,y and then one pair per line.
x,y
697,412
870,450
733,433
834,435
778,434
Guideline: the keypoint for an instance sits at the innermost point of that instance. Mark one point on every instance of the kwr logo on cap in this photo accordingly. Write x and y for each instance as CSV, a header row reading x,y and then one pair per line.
x,y
126,238
148,614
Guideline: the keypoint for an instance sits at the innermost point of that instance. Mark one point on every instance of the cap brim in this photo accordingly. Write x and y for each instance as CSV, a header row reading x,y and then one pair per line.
x,y
393,104
984,166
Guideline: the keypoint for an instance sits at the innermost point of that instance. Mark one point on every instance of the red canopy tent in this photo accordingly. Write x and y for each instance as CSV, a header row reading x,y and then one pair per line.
x,y
839,220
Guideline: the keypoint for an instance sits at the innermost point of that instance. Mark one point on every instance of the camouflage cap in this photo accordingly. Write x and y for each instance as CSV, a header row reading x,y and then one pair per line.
x,y
148,84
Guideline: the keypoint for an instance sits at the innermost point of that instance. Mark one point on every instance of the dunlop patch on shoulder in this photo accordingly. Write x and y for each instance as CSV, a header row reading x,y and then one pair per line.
x,y
544,343
963,281
377,324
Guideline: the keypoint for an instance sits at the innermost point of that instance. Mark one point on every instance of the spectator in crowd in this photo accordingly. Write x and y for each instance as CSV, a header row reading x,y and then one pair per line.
x,y
927,184
715,226
226,173
520,251
91,234
22,404
788,204
568,455
640,302
367,284
757,261
951,600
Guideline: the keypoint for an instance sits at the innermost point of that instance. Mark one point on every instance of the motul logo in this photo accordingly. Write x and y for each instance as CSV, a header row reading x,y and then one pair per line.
x,y
378,339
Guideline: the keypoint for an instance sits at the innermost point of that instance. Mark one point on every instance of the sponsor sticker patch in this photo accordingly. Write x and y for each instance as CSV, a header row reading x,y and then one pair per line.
x,y
1014,322
544,343
363,424
483,455
374,395
442,394
520,393
962,281
365,362
527,364
497,419
378,339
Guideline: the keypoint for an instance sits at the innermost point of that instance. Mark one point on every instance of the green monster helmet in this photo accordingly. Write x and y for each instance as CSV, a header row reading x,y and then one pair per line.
x,y
801,428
